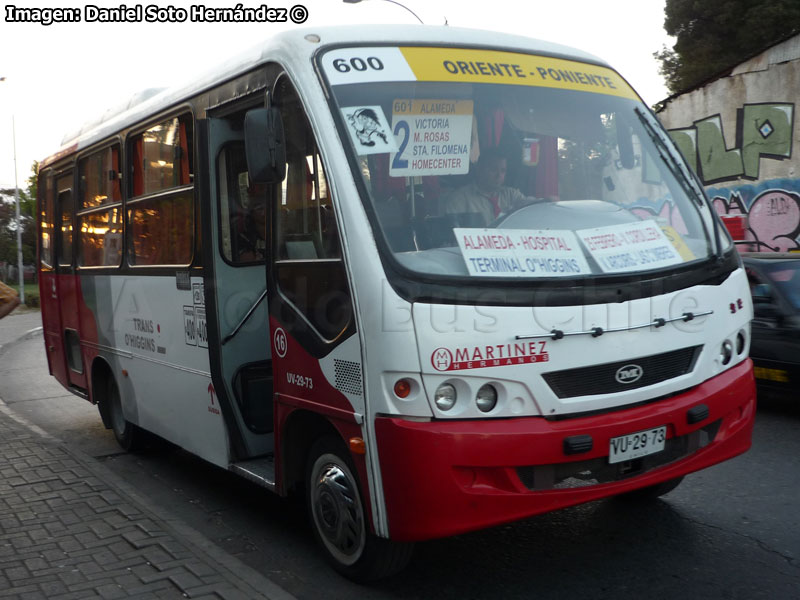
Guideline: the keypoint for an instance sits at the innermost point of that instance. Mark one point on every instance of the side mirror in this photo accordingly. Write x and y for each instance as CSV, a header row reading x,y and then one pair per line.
x,y
264,145
762,294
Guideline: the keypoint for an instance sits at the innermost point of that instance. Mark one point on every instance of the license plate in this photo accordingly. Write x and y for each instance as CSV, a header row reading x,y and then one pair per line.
x,y
771,374
636,445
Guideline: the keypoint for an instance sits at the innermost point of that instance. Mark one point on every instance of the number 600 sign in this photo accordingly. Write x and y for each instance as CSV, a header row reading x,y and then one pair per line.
x,y
345,65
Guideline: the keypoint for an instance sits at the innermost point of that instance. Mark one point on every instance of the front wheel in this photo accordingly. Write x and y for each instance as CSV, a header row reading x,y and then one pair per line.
x,y
339,521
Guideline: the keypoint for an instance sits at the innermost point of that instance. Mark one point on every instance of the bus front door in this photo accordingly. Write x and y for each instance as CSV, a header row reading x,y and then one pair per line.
x,y
243,363
66,288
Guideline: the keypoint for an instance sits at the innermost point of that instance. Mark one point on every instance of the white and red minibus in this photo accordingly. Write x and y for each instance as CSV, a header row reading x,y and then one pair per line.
x,y
293,269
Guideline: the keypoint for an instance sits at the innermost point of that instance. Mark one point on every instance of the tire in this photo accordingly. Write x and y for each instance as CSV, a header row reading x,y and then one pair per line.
x,y
128,435
652,492
337,516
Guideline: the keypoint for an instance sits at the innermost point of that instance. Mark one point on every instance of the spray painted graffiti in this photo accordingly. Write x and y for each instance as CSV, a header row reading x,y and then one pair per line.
x,y
772,210
762,131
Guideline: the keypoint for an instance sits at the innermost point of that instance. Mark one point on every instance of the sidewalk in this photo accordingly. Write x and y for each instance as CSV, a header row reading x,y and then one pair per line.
x,y
17,324
72,529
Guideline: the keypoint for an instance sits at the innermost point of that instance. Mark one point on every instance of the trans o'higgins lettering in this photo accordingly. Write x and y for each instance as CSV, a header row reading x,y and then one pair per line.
x,y
479,357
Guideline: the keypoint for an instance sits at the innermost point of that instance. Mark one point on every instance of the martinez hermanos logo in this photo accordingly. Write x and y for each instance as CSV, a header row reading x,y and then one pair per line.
x,y
498,355
442,359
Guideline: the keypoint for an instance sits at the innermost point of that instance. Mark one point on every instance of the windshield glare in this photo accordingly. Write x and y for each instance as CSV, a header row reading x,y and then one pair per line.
x,y
491,180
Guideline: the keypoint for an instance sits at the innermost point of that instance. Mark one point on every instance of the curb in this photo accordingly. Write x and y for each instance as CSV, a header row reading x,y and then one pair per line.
x,y
25,336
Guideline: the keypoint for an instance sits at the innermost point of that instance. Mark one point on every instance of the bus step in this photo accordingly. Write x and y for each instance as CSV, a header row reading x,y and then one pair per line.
x,y
258,470
79,392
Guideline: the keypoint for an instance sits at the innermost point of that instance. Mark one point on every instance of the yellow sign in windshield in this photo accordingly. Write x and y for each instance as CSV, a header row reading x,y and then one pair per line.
x,y
488,66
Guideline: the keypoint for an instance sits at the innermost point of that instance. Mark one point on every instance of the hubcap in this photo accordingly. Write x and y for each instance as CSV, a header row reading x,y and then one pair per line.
x,y
336,508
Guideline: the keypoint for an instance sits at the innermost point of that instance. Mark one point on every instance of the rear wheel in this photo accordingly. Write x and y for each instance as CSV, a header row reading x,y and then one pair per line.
x,y
128,435
339,521
653,491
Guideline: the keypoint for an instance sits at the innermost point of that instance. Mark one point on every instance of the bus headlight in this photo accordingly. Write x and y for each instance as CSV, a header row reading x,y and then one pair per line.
x,y
726,352
741,342
486,398
445,397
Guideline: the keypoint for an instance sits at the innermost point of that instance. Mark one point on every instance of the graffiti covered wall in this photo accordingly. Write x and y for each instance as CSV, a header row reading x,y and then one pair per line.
x,y
738,132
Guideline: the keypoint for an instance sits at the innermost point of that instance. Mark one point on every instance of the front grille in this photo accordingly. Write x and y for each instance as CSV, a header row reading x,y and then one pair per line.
x,y
602,379
598,470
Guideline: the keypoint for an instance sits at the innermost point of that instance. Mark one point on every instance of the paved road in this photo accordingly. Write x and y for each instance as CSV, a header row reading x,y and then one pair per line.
x,y
731,532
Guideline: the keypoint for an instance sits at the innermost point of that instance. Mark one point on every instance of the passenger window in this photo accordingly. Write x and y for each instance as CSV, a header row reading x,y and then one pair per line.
x,y
64,221
100,218
47,192
162,157
310,270
161,229
160,212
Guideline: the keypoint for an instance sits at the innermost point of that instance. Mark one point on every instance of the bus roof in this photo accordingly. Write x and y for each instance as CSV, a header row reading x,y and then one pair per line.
x,y
296,47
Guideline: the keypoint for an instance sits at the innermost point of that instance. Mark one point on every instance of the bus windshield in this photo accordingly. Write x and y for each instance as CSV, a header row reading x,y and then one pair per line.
x,y
479,164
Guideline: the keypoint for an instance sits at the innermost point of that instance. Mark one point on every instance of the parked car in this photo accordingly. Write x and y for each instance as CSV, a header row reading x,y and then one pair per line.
x,y
775,344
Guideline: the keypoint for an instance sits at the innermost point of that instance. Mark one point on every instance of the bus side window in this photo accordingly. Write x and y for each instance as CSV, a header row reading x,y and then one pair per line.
x,y
64,206
46,191
160,212
309,265
100,209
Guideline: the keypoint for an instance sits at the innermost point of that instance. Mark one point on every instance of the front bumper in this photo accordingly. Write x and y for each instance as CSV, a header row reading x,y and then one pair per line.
x,y
442,478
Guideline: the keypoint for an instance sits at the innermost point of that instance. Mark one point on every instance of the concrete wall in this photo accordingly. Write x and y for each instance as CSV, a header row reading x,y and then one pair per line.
x,y
739,133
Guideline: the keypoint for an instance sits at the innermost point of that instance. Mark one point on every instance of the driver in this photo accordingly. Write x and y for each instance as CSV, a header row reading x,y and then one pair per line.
x,y
252,241
486,195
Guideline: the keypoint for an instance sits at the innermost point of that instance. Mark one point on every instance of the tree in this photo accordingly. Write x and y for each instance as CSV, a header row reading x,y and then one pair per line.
x,y
8,240
27,197
715,35
8,221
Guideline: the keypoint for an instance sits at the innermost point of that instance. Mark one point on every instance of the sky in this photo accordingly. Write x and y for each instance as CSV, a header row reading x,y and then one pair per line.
x,y
61,75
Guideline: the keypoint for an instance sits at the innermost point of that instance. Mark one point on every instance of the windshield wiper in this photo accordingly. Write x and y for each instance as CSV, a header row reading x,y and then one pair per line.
x,y
680,172
557,334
